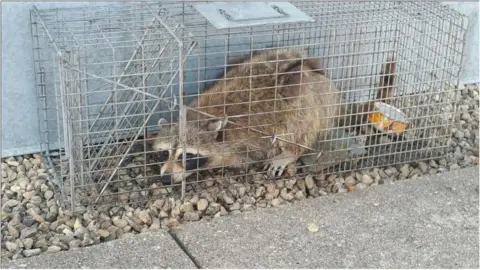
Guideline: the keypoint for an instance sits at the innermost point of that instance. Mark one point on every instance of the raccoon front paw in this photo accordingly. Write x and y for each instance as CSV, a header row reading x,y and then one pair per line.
x,y
277,166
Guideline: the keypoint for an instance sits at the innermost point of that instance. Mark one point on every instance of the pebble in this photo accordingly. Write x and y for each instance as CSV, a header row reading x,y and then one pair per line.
x,y
191,216
212,209
53,249
459,134
186,207
360,186
35,200
75,243
120,223
454,167
349,181
48,195
235,206
28,243
32,221
31,252
284,194
299,195
390,171
202,204
300,184
145,217
11,203
277,201
404,170
228,199
11,246
28,232
12,231
309,182
103,233
423,167
12,163
367,180
11,175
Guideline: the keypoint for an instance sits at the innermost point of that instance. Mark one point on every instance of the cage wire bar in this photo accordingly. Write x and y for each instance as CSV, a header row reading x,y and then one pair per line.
x,y
106,75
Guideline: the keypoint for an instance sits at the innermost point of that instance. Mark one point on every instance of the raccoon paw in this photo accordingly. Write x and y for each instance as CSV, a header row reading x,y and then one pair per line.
x,y
277,166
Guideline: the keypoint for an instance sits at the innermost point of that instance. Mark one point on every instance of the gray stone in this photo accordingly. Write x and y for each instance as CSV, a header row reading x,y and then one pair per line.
x,y
228,199
11,246
212,209
299,195
35,200
191,216
12,231
361,186
11,203
404,170
149,250
48,195
202,204
145,217
454,166
277,201
31,252
28,232
103,233
40,243
309,182
186,207
53,249
11,175
12,163
349,181
80,232
367,180
28,243
120,223
300,184
287,196
75,243
234,206
423,167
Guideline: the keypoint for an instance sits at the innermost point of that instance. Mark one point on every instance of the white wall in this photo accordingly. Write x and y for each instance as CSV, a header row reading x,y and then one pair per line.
x,y
19,106
470,72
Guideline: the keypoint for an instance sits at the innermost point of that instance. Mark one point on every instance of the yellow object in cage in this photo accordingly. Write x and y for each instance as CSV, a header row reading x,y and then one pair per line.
x,y
387,118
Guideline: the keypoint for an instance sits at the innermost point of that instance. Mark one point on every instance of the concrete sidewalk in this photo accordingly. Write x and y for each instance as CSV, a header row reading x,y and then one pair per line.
x,y
430,222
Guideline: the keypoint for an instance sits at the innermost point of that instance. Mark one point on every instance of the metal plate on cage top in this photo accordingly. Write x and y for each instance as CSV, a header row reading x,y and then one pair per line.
x,y
240,14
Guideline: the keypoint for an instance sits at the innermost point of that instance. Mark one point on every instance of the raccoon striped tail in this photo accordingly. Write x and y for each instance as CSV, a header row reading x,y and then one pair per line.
x,y
387,81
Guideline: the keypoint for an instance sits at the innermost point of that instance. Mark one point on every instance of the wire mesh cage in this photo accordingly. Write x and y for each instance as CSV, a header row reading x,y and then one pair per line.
x,y
140,100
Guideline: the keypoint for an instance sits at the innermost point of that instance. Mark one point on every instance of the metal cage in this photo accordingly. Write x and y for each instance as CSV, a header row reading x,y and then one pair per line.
x,y
106,75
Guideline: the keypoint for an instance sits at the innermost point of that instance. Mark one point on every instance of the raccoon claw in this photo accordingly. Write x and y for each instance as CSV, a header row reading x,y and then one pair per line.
x,y
276,167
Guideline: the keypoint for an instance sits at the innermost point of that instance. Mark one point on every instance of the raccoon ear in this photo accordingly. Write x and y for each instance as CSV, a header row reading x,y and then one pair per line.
x,y
161,122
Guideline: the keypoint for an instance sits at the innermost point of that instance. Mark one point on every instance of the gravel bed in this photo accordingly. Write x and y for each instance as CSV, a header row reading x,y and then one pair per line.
x,y
33,221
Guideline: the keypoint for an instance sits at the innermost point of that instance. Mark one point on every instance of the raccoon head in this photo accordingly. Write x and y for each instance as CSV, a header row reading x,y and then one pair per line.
x,y
201,147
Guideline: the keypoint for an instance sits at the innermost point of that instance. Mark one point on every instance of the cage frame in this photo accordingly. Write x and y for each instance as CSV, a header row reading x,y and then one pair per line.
x,y
182,110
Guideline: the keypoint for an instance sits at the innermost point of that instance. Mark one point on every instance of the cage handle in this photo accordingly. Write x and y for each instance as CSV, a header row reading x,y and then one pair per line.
x,y
281,12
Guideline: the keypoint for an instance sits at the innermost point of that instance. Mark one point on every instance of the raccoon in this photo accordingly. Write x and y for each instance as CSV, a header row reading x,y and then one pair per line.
x,y
276,91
